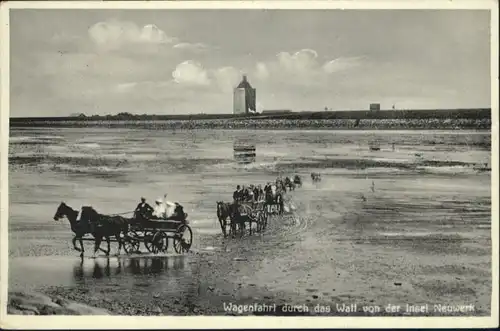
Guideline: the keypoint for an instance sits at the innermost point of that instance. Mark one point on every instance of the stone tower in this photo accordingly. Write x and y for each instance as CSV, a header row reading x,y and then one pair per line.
x,y
244,98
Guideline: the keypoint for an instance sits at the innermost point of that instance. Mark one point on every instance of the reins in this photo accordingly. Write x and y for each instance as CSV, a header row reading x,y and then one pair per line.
x,y
124,213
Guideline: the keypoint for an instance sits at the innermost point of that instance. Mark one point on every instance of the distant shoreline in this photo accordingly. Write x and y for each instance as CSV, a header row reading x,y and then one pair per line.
x,y
454,119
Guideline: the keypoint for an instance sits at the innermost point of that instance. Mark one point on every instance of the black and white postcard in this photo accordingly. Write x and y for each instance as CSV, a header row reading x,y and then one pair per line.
x,y
228,164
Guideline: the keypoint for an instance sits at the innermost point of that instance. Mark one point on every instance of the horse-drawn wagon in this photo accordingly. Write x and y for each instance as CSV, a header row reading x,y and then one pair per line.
x,y
274,202
129,233
155,235
233,216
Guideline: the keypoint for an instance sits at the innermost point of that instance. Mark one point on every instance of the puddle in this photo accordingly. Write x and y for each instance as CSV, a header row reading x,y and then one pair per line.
x,y
41,272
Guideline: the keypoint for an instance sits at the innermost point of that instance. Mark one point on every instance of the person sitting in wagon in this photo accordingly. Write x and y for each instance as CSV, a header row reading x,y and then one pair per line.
x,y
159,210
164,208
250,196
178,213
237,194
143,211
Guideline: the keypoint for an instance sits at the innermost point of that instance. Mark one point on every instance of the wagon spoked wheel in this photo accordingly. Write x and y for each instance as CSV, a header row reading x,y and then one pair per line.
x,y
183,239
148,240
159,242
130,244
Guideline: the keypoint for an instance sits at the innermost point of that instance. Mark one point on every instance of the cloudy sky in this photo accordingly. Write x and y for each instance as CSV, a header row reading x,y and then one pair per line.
x,y
188,61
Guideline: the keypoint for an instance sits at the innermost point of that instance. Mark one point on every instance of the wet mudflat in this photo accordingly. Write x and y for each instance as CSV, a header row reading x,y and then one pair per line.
x,y
400,231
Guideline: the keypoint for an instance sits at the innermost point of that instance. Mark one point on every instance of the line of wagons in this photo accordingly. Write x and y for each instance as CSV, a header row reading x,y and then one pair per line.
x,y
155,235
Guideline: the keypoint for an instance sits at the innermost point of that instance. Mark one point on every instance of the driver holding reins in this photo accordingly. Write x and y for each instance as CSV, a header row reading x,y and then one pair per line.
x,y
143,210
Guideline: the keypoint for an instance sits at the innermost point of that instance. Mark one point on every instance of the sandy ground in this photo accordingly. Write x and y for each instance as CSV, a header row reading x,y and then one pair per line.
x,y
403,243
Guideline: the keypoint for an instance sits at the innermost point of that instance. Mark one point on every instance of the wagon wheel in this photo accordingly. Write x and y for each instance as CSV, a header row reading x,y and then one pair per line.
x,y
131,244
183,239
159,242
148,240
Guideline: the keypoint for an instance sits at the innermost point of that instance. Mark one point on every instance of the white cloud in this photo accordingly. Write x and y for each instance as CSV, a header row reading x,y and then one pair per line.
x,y
191,73
113,34
191,46
261,71
302,67
301,62
125,87
227,78
152,34
341,64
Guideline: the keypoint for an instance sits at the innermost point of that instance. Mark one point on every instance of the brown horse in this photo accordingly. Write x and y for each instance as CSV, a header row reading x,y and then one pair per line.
x,y
244,213
227,210
105,226
224,210
79,228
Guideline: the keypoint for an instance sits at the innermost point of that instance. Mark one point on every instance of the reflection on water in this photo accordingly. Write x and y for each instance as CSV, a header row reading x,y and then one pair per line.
x,y
244,150
110,267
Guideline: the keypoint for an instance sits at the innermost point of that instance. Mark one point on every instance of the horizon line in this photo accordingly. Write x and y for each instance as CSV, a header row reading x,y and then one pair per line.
x,y
268,112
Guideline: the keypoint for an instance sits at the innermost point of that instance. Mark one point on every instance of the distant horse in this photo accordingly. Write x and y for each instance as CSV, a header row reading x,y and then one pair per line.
x,y
105,226
297,181
315,177
280,184
79,228
289,184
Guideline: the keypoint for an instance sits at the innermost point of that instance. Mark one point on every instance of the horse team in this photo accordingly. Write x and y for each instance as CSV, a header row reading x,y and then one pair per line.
x,y
98,225
253,205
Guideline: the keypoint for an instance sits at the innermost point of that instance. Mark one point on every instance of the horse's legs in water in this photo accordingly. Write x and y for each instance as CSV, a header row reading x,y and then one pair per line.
x,y
233,227
102,249
81,246
222,223
97,244
119,239
108,241
241,223
225,224
74,243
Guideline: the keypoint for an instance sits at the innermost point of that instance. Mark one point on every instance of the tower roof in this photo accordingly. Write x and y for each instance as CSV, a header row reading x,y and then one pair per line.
x,y
244,83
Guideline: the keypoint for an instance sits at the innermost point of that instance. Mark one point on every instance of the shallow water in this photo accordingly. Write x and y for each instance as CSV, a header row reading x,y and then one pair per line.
x,y
427,199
